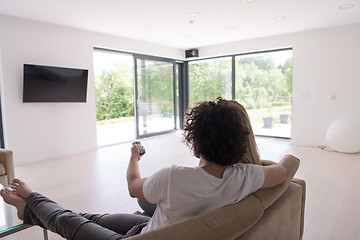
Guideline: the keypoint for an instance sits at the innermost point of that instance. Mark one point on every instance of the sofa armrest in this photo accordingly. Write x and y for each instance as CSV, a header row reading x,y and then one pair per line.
x,y
303,185
268,196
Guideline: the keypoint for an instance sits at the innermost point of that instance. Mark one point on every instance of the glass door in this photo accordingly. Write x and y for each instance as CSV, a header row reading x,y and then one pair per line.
x,y
154,94
114,95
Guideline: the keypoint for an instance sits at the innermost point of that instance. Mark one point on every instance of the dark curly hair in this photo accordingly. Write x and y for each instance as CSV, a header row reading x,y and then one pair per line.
x,y
218,131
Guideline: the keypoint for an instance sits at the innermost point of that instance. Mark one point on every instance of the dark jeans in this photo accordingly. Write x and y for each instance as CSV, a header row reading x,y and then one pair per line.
x,y
149,208
42,211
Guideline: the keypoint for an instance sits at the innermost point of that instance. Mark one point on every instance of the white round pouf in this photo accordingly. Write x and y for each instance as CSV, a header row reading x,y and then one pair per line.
x,y
344,136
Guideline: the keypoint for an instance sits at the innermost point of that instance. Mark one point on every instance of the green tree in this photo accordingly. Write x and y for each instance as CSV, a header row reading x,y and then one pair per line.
x,y
259,81
264,62
287,71
114,93
209,80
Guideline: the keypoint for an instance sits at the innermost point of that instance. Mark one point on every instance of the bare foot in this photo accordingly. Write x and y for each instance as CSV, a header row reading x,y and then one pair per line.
x,y
14,200
20,188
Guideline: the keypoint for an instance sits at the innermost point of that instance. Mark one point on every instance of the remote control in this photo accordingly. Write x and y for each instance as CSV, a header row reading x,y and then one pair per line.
x,y
141,149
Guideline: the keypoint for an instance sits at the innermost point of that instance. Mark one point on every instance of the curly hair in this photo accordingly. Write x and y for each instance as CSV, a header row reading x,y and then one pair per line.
x,y
220,131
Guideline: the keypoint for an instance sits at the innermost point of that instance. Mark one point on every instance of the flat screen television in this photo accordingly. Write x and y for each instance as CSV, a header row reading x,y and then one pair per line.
x,y
54,84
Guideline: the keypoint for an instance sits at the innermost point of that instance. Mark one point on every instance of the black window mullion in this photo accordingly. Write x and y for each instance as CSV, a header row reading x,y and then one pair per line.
x,y
233,93
2,144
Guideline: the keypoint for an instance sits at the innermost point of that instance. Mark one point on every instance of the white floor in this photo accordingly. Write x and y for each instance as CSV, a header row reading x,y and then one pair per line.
x,y
95,182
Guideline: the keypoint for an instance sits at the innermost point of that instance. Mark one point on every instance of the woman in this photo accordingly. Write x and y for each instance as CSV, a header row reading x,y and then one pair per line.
x,y
229,169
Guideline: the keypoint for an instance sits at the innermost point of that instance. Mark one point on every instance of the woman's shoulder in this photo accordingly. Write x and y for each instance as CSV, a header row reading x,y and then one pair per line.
x,y
243,167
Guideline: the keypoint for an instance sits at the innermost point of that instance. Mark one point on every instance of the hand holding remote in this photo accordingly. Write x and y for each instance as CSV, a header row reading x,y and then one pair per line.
x,y
140,147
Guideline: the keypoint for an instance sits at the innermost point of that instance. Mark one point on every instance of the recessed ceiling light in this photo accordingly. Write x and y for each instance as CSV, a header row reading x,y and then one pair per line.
x,y
193,14
280,18
249,1
346,6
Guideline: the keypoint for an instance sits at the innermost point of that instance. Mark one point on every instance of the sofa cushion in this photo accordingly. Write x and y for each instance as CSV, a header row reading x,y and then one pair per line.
x,y
268,196
224,223
2,169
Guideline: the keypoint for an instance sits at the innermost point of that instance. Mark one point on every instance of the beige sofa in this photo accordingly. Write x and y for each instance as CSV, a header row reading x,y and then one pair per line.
x,y
6,167
276,213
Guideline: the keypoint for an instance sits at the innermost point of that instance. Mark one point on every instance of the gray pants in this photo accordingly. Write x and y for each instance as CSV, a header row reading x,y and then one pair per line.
x,y
42,211
149,208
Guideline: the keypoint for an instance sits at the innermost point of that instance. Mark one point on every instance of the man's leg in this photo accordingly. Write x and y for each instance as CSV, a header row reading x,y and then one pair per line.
x,y
122,223
71,225
40,210
64,222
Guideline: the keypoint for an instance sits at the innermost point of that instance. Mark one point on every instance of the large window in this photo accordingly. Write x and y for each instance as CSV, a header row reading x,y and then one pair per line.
x,y
264,87
261,82
139,95
114,95
135,96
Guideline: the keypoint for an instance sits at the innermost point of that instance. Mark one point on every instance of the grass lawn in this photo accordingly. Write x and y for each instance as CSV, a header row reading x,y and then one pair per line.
x,y
256,115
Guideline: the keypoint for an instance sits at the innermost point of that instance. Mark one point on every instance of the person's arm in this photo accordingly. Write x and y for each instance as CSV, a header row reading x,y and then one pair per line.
x,y
274,173
135,182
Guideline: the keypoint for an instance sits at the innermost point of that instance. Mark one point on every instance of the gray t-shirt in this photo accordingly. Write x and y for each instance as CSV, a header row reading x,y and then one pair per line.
x,y
184,192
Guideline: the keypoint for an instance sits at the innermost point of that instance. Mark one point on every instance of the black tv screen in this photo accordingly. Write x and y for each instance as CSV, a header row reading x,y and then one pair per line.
x,y
54,84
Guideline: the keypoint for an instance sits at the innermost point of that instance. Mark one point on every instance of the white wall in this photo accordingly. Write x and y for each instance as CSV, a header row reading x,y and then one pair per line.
x,y
36,131
325,63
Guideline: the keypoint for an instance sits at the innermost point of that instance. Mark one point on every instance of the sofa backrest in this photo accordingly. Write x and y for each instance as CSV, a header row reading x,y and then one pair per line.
x,y
224,223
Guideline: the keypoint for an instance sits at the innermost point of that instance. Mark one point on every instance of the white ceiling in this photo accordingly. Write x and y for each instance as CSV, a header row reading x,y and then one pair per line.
x,y
172,23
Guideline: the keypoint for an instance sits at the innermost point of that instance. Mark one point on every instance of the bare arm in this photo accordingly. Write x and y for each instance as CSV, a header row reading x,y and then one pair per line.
x,y
135,182
274,173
